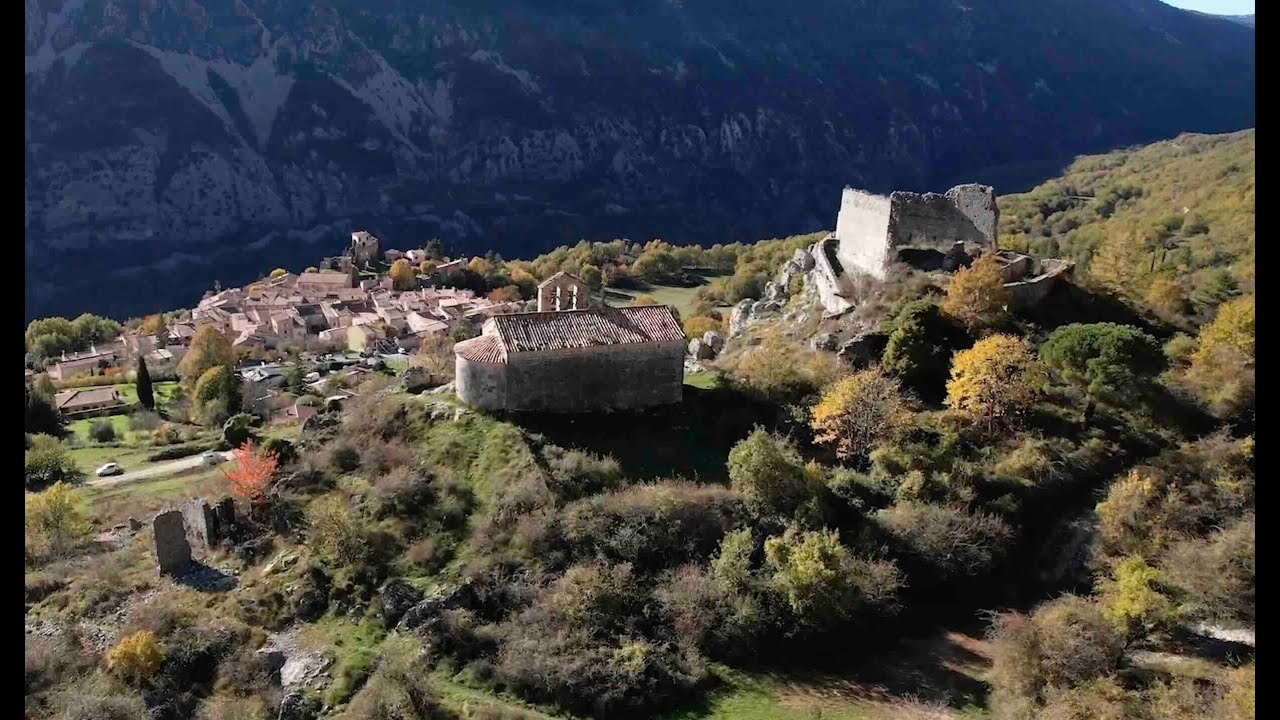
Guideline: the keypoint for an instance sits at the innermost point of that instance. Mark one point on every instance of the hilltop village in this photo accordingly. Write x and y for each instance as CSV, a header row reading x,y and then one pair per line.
x,y
565,350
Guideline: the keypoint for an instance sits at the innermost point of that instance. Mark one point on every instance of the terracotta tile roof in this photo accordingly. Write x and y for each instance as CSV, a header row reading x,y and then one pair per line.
x,y
71,399
593,327
483,349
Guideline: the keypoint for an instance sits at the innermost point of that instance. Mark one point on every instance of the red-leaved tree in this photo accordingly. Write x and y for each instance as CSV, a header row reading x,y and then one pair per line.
x,y
252,471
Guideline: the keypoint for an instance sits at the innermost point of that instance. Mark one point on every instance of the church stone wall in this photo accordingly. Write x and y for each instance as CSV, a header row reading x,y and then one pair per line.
x,y
482,385
618,377
862,228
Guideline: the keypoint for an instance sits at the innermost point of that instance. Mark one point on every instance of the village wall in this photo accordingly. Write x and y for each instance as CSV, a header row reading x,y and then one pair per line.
x,y
862,228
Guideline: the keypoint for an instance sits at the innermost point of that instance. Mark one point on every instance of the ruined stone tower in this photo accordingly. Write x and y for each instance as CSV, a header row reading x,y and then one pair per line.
x,y
927,230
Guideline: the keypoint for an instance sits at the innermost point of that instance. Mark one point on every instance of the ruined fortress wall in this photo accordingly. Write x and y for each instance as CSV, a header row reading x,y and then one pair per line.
x,y
481,385
977,203
862,228
933,221
584,380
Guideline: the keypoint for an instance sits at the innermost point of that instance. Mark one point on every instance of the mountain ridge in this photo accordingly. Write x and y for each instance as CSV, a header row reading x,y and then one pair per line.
x,y
174,148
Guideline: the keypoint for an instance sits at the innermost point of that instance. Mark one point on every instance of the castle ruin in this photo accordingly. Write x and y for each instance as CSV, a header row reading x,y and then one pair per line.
x,y
925,231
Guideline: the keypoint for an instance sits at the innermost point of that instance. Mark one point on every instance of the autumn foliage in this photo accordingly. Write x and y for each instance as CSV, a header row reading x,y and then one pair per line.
x,y
251,472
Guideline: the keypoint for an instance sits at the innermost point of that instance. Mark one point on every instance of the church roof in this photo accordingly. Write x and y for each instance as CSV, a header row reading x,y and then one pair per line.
x,y
572,329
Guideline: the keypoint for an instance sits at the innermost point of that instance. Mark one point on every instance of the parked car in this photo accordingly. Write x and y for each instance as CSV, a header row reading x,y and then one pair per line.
x,y
108,469
210,458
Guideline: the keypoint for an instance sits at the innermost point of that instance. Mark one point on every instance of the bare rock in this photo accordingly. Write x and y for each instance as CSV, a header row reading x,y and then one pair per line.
x,y
740,316
700,350
803,260
864,349
823,341
429,610
396,598
712,339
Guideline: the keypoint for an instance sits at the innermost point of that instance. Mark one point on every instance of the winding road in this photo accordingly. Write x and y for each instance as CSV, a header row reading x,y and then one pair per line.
x,y
169,468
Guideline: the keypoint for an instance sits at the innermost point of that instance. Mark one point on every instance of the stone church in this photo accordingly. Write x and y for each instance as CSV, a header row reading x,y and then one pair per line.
x,y
577,359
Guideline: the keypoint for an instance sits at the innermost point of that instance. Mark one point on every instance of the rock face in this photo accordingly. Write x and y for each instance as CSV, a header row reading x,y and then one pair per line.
x,y
199,141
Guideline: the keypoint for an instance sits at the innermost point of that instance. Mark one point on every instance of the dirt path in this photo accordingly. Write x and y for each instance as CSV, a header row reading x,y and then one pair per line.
x,y
169,468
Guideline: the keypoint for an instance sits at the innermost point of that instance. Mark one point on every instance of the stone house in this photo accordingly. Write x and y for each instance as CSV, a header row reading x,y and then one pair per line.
x,y
85,363
88,402
563,291
573,361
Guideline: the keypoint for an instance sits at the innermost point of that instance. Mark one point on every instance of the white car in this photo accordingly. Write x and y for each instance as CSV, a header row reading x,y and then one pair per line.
x,y
210,458
108,469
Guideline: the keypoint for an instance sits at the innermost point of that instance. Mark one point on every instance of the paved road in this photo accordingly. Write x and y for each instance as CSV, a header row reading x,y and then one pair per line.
x,y
169,468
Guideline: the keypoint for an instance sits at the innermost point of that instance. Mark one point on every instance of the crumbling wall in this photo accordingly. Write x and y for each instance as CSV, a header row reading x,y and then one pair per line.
x,y
1031,292
830,283
173,552
862,229
935,222
977,203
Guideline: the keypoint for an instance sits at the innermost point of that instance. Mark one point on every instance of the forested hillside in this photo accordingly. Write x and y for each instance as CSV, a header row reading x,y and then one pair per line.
x,y
1076,476
1168,225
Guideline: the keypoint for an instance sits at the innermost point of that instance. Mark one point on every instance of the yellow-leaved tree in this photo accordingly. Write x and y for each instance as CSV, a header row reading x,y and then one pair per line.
x,y
859,411
994,381
209,349
1222,366
403,275
976,295
55,521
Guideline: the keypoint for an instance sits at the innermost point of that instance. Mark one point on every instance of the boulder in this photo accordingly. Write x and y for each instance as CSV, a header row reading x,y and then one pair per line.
x,y
272,659
298,706
395,599
803,260
740,316
415,379
311,605
823,341
428,611
864,349
775,292
700,350
712,339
